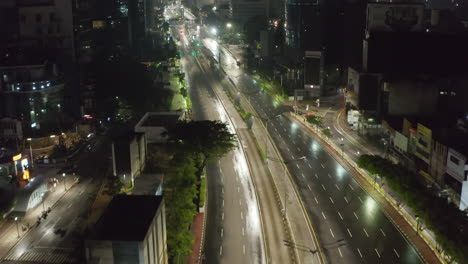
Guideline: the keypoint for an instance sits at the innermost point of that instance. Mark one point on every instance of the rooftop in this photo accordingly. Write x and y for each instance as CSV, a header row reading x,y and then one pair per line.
x,y
159,119
127,218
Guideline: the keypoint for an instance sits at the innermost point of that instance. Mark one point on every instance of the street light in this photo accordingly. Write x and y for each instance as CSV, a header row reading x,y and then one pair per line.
x,y
64,180
214,31
43,207
17,228
417,223
229,25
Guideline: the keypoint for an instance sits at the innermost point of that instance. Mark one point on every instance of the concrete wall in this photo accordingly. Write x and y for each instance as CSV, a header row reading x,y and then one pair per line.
x,y
456,165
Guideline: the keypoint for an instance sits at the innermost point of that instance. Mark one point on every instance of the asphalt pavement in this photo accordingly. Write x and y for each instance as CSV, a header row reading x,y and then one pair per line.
x,y
233,231
351,226
58,237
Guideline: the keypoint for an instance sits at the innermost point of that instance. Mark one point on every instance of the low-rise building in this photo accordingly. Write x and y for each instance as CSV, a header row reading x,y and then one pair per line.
x,y
154,124
129,156
131,230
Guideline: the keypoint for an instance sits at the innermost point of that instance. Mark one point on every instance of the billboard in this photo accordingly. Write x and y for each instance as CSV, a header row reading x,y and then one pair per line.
x,y
395,17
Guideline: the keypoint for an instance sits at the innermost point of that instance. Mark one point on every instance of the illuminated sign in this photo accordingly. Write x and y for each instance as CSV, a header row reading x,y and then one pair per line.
x,y
26,175
17,157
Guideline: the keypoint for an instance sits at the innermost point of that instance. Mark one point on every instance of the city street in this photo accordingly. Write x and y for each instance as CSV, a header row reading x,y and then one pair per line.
x,y
351,226
58,237
233,230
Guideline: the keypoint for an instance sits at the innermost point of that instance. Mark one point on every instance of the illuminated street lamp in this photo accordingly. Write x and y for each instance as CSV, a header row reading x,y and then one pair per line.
x,y
214,31
229,25
64,180
17,228
43,207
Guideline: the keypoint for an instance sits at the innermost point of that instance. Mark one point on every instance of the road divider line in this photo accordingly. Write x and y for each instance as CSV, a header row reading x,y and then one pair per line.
x,y
396,253
383,233
316,200
356,215
350,186
331,231
310,189
339,251
316,176
324,217
322,165
376,251
221,250
367,234
323,186
346,199
308,163
359,251
331,200
340,215
297,165
222,232
303,175
337,187
349,232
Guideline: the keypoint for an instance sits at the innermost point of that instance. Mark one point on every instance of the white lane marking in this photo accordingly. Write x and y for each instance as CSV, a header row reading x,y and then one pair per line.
x,y
340,215
316,200
322,165
377,252
70,205
310,189
243,231
350,186
316,176
349,232
285,131
240,202
383,233
356,215
346,200
331,200
331,231
222,190
243,249
303,175
221,250
359,251
298,149
329,176
242,215
339,251
360,199
324,187
220,170
365,232
308,163
222,232
396,253
238,189
297,165
324,217
223,202
337,187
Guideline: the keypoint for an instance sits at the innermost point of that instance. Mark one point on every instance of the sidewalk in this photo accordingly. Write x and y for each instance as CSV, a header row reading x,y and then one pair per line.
x,y
401,216
197,232
8,230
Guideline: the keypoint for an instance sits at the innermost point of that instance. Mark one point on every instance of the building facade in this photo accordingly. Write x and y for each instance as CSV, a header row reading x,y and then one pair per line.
x,y
137,236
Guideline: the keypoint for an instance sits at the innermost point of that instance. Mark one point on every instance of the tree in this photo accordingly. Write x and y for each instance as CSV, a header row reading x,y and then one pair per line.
x,y
327,132
181,191
315,120
211,139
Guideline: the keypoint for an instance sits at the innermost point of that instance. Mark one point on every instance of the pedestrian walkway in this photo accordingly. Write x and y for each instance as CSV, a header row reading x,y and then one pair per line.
x,y
197,232
43,256
399,215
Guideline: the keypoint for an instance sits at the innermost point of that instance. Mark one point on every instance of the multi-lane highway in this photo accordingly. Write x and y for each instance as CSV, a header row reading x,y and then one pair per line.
x,y
233,229
351,226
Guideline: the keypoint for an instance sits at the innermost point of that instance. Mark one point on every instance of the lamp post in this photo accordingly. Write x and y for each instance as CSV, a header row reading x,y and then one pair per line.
x,y
64,180
417,223
229,25
17,228
30,152
43,207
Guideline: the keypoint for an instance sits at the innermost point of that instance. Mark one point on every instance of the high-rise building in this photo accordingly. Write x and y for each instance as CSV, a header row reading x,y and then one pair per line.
x,y
243,10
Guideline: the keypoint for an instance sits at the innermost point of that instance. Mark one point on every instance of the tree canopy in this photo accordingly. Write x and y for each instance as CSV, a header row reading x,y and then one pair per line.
x,y
210,138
